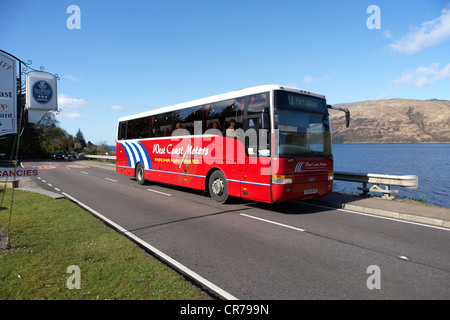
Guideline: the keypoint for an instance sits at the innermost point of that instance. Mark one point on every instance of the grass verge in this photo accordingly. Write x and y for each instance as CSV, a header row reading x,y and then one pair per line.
x,y
48,236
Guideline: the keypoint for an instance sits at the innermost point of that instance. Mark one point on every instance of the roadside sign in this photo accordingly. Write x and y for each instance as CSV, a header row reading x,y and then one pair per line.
x,y
41,91
19,172
41,95
8,95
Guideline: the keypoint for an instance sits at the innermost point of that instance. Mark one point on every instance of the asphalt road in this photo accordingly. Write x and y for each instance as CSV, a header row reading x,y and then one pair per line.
x,y
261,251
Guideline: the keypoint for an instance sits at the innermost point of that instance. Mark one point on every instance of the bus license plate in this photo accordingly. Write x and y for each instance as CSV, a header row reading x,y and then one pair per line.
x,y
310,191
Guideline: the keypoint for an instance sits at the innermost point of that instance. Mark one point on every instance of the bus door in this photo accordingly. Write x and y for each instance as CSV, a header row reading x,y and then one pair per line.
x,y
255,175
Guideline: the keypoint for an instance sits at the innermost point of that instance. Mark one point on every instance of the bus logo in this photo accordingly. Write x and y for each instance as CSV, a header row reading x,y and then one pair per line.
x,y
298,167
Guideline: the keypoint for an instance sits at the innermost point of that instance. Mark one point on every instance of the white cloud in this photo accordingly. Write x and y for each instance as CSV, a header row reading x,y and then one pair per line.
x,y
70,107
424,76
72,78
430,34
115,108
388,34
310,79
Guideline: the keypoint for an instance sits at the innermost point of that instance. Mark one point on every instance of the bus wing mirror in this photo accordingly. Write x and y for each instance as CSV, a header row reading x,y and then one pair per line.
x,y
347,114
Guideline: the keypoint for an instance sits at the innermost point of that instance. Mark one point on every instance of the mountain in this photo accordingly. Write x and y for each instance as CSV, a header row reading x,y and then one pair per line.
x,y
392,121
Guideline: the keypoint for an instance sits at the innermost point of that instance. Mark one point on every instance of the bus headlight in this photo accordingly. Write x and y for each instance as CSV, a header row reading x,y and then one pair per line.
x,y
281,179
330,177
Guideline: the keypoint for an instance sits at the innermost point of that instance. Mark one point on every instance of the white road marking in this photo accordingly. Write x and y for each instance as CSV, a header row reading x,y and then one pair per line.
x,y
273,222
166,194
111,180
83,172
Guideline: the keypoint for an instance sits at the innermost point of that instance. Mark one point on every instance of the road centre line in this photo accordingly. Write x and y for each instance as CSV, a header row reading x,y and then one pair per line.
x,y
83,172
111,180
272,222
166,194
177,265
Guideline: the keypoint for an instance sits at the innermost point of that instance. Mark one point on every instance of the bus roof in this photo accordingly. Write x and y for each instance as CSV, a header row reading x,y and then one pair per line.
x,y
221,97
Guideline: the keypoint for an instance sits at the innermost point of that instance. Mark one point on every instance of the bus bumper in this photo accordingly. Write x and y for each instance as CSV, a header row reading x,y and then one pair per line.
x,y
300,191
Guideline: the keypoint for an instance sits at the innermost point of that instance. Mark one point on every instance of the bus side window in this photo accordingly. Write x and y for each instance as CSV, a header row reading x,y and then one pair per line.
x,y
143,128
132,129
122,130
163,124
222,112
186,118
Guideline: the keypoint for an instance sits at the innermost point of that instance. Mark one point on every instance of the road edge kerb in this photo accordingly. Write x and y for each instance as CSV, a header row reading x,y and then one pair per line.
x,y
180,268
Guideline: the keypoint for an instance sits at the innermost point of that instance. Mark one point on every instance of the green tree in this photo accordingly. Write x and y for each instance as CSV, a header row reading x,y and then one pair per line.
x,y
79,138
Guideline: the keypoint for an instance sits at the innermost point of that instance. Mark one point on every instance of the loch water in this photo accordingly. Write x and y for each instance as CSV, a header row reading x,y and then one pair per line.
x,y
429,161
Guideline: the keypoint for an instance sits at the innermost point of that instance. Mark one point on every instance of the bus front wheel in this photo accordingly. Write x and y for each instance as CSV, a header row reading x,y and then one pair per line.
x,y
140,174
218,187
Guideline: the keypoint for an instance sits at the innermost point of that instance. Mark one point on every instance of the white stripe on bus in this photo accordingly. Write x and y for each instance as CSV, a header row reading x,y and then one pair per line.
x,y
142,154
130,154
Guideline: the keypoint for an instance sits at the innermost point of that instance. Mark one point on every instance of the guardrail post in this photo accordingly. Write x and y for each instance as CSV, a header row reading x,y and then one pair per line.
x,y
364,190
376,188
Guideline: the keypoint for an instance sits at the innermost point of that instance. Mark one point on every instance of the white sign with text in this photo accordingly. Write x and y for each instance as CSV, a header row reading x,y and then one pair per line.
x,y
8,95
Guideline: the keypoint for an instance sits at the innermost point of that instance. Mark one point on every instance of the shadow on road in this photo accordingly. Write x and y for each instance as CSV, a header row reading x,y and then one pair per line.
x,y
167,223
291,208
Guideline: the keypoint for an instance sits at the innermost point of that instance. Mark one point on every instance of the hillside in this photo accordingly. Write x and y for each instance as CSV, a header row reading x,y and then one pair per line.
x,y
393,121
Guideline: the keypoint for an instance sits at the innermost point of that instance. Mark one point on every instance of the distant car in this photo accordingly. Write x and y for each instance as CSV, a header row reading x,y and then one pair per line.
x,y
59,155
72,155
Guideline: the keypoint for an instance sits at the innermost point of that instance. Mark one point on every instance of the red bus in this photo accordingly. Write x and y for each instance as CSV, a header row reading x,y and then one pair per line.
x,y
268,143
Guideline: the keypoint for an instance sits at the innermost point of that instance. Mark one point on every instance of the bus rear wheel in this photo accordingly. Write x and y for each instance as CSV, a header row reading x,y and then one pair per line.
x,y
218,187
140,174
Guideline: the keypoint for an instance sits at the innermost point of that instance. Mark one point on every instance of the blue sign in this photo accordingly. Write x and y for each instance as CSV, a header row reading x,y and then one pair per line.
x,y
42,92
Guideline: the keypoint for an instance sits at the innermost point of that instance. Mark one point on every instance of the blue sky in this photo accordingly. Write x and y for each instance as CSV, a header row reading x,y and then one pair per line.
x,y
132,56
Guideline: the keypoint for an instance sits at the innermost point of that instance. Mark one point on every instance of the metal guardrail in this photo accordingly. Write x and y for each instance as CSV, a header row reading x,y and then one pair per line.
x,y
407,181
99,157
91,156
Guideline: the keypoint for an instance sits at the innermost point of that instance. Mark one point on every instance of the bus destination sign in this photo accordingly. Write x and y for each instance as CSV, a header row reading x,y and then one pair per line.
x,y
298,101
301,101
